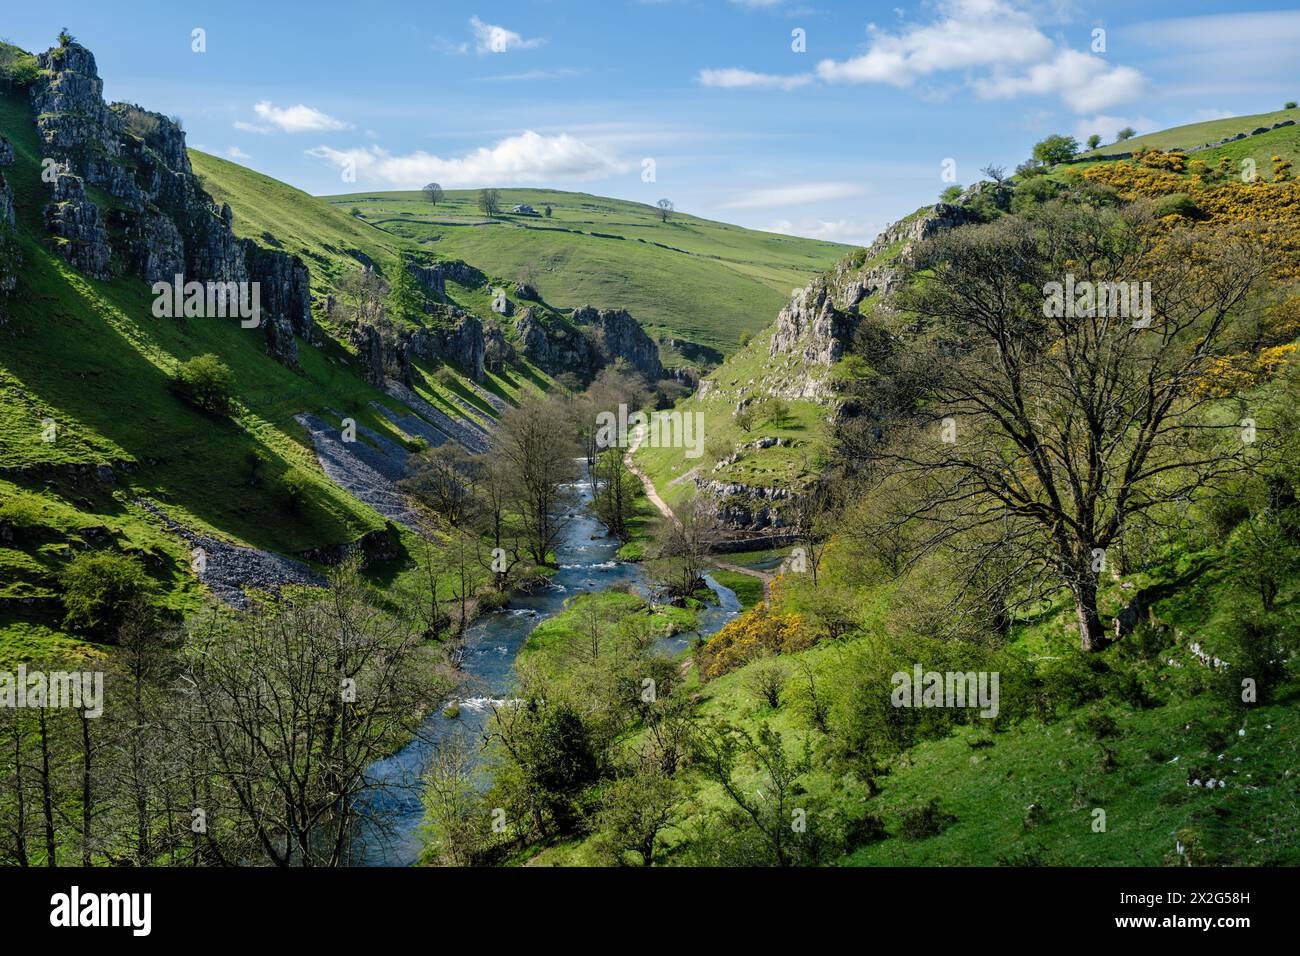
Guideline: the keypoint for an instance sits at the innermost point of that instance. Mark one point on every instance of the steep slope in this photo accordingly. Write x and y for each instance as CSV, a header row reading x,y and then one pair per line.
x,y
768,409
97,451
689,279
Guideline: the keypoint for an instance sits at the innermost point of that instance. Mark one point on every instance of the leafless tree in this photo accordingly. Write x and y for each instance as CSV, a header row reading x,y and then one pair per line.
x,y
1041,432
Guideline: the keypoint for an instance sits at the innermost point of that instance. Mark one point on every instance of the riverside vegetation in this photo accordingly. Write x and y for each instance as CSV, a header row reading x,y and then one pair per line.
x,y
274,542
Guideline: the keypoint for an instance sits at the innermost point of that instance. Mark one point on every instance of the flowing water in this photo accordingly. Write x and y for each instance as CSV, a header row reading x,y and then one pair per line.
x,y
585,554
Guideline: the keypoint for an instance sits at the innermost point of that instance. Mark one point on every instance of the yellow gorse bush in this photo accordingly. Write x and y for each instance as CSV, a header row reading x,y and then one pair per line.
x,y
757,632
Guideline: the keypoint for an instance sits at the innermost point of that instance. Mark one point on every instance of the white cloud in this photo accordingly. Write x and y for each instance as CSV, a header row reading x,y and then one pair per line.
x,y
848,231
732,78
529,76
795,195
1085,82
297,119
234,152
993,36
490,38
972,33
757,3
528,158
251,127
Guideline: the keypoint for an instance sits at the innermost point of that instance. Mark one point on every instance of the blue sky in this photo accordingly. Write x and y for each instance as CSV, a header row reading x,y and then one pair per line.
x,y
835,141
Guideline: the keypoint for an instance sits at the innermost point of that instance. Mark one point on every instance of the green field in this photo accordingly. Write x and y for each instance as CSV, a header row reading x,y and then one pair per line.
x,y
689,278
1193,135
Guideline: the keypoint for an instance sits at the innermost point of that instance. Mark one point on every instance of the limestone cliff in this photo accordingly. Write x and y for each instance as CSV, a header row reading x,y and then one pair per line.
x,y
162,222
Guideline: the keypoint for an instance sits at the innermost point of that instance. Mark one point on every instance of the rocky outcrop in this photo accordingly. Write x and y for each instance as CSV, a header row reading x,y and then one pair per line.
x,y
459,339
79,233
591,340
165,222
154,248
619,337
816,328
284,286
497,352
434,277
372,358
739,508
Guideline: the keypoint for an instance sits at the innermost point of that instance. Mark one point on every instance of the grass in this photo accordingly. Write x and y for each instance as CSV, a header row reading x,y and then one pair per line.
x,y
743,376
91,357
749,589
688,278
1192,135
557,641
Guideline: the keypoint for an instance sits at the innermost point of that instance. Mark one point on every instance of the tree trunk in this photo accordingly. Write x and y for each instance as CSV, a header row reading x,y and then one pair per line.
x,y
1092,635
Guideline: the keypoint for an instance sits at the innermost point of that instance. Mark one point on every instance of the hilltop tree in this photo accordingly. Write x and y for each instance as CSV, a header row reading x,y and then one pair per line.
x,y
489,202
1056,149
1094,141
665,209
996,173
1128,132
432,193
1049,436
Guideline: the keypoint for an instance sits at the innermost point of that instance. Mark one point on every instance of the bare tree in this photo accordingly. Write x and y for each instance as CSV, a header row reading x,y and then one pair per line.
x,y
533,442
294,703
665,209
432,193
489,202
1042,431
681,548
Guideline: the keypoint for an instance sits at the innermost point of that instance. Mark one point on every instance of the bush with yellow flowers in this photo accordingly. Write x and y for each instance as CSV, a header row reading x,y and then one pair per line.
x,y
760,631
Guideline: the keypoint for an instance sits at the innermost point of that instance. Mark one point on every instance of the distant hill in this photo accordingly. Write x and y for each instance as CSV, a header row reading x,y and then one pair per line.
x,y
689,278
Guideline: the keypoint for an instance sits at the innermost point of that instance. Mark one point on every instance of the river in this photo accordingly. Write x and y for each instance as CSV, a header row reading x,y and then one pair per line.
x,y
586,556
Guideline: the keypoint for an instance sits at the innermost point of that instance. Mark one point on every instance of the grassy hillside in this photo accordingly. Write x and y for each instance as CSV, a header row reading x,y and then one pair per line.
x,y
280,216
730,452
1192,135
90,356
690,278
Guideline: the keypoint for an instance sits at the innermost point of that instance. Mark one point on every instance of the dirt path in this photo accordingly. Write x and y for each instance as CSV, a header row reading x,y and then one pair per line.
x,y
765,576
646,483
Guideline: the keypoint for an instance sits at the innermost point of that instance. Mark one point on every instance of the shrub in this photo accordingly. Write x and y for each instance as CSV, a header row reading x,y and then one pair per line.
x,y
205,382
100,588
1179,204
295,486
751,635
925,820
1254,650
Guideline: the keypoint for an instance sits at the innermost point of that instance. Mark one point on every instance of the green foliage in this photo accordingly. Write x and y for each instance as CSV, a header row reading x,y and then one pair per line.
x,y
99,590
405,298
205,382
1056,149
951,194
